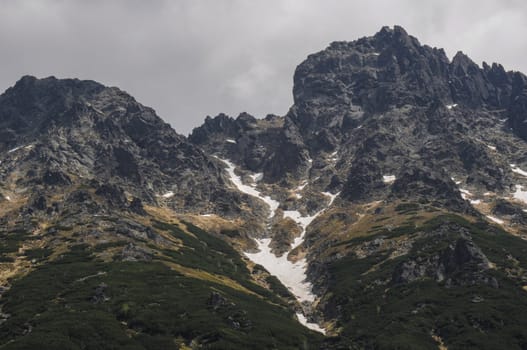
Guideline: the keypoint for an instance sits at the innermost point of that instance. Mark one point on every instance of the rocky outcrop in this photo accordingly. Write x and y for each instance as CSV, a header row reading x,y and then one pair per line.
x,y
517,109
513,212
421,184
461,263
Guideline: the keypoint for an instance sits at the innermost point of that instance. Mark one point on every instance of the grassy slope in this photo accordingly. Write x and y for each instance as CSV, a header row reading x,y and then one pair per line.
x,y
148,304
380,315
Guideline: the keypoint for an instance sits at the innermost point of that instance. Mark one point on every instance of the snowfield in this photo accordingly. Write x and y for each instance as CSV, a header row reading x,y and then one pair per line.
x,y
292,275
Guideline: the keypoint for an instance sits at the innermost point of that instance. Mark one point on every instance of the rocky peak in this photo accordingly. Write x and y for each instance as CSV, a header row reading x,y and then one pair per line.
x,y
79,130
462,64
391,69
396,40
369,108
367,76
33,105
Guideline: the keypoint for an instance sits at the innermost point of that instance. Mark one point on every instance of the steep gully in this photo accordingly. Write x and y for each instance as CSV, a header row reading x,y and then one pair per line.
x,y
291,274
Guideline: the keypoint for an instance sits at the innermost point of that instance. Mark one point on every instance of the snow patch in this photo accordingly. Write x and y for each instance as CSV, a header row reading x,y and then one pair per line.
x,y
331,197
517,170
305,221
292,275
301,187
451,106
475,201
465,193
230,141
169,194
520,194
14,149
8,198
492,147
250,190
257,177
388,179
302,221
313,326
456,182
495,219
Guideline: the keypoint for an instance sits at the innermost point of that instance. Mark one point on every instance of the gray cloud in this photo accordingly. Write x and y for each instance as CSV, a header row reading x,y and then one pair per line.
x,y
189,59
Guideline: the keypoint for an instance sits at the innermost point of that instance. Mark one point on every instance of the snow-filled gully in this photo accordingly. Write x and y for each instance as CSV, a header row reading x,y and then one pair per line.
x,y
291,274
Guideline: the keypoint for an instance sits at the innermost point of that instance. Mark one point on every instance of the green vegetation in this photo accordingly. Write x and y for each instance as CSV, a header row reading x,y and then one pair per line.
x,y
10,242
200,294
38,253
376,313
405,208
78,302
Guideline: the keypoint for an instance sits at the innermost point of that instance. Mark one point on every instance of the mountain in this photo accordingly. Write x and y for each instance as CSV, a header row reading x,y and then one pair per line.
x,y
93,253
385,210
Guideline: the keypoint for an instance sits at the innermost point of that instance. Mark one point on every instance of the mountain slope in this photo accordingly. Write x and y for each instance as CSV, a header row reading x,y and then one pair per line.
x,y
196,292
385,210
424,156
92,253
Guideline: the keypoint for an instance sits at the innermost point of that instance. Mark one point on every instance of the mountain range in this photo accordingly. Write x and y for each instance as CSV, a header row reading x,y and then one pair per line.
x,y
385,210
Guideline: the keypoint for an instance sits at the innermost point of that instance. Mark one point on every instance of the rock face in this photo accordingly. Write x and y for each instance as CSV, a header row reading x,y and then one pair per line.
x,y
462,262
61,129
378,106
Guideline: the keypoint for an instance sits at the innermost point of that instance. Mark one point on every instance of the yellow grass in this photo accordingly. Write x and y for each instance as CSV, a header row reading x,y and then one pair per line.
x,y
206,276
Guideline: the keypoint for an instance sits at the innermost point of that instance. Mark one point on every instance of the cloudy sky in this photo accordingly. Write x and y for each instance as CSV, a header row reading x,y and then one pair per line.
x,y
192,58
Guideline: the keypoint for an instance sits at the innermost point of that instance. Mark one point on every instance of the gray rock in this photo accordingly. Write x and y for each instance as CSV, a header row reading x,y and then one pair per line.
x,y
132,252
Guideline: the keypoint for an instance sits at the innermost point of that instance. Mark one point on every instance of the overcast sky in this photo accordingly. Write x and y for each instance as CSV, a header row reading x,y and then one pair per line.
x,y
192,58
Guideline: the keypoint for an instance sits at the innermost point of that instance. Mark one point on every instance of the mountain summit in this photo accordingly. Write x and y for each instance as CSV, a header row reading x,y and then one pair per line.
x,y
385,210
